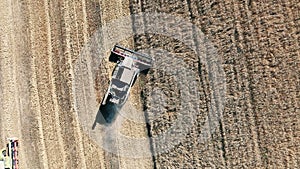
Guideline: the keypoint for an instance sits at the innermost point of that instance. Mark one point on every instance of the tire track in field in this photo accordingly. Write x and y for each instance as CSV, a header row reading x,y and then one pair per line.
x,y
76,44
144,41
214,88
35,93
139,45
91,150
193,13
220,26
287,44
293,13
254,75
40,73
209,156
71,123
76,38
261,123
83,85
256,134
31,144
242,68
43,80
131,128
211,92
36,104
252,42
241,48
53,89
85,23
134,9
289,17
250,9
163,160
85,105
265,21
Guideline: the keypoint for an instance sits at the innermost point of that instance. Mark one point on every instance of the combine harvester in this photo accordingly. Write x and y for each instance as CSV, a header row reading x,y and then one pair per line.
x,y
129,65
9,155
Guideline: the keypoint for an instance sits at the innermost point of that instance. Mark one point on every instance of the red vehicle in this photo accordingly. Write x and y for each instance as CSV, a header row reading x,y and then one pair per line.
x,y
9,155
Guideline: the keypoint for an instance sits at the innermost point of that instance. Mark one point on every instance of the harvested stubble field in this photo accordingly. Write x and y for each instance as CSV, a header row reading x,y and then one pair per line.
x,y
50,93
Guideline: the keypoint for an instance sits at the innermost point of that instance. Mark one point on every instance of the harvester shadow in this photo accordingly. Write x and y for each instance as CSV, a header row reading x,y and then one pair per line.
x,y
106,114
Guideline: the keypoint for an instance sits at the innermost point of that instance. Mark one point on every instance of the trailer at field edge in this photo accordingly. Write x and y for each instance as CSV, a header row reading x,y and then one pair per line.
x,y
9,155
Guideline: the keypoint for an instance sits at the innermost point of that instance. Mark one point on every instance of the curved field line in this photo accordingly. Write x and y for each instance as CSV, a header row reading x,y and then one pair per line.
x,y
196,155
252,122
